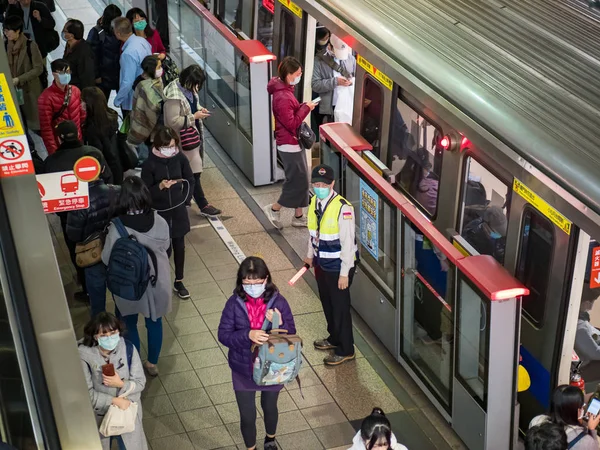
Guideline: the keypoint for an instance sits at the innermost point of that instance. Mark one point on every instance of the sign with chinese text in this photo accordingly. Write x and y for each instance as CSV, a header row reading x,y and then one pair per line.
x,y
555,217
369,226
374,72
292,7
62,191
595,275
10,124
15,158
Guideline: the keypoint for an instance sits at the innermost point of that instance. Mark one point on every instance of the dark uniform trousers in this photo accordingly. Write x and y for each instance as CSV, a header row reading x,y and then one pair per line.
x,y
336,306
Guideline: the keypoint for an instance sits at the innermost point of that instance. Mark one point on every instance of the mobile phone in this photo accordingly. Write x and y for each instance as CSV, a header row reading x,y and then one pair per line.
x,y
594,407
317,100
108,370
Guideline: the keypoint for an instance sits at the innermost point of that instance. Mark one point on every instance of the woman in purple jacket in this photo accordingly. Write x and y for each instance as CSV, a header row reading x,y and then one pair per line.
x,y
289,115
254,298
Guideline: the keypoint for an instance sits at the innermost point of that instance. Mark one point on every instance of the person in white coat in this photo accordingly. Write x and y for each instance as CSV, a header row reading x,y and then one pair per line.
x,y
376,434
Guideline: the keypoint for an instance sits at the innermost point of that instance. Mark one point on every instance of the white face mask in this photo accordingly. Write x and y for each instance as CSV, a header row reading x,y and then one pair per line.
x,y
296,80
168,151
158,73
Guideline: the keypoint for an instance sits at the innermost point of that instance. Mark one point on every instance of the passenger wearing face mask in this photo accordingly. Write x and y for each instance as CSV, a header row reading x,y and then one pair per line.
x,y
183,111
112,367
334,69
587,338
168,175
254,301
59,102
333,252
80,55
376,434
289,115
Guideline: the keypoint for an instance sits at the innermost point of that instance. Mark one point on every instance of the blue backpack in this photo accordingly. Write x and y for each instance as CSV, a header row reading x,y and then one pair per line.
x,y
128,271
278,361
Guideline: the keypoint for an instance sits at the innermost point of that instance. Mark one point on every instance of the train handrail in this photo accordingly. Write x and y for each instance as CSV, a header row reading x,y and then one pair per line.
x,y
493,280
252,49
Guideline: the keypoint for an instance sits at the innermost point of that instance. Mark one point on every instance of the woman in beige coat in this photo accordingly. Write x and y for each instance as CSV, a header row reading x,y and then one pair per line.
x,y
182,110
26,66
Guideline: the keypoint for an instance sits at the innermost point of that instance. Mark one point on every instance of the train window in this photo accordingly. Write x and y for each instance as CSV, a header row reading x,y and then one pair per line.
x,y
484,211
287,33
415,156
373,113
533,268
238,15
264,32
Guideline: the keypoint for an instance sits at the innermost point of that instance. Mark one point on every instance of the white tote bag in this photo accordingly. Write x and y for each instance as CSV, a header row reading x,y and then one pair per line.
x,y
344,104
119,421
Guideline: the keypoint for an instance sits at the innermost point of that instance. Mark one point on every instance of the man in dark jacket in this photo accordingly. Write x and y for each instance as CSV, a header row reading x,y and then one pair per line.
x,y
64,159
83,223
79,55
38,24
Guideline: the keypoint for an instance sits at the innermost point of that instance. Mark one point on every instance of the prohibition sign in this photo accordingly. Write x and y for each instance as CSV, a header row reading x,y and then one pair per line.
x,y
11,149
87,168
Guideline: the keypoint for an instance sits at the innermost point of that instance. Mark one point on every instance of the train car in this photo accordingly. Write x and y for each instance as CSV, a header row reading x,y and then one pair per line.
x,y
485,115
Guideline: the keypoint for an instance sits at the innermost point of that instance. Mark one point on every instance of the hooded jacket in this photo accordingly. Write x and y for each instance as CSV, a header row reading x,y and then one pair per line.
x,y
288,112
170,203
359,444
234,329
50,103
101,396
152,231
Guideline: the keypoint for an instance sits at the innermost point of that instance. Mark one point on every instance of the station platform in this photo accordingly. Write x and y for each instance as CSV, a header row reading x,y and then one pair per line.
x,y
191,404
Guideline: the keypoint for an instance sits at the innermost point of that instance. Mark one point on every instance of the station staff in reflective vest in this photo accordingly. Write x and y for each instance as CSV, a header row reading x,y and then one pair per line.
x,y
333,252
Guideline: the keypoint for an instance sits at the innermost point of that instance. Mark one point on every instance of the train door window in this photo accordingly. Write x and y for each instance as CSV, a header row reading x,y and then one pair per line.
x,y
264,32
287,33
414,155
238,15
484,211
373,113
533,267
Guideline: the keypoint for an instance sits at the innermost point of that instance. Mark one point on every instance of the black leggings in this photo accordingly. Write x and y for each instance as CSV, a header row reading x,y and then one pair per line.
x,y
199,197
247,406
178,248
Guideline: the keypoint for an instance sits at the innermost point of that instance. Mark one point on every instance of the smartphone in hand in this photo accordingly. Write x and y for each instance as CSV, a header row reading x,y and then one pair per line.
x,y
108,370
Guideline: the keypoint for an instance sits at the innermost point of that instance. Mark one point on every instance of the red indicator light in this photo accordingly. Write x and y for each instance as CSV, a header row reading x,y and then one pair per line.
x,y
445,143
464,143
510,293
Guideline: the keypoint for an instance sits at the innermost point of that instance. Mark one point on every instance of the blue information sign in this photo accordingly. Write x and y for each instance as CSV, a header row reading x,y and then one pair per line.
x,y
369,226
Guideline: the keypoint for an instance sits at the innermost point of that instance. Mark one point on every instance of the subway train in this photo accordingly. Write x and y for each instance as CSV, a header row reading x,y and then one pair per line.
x,y
486,116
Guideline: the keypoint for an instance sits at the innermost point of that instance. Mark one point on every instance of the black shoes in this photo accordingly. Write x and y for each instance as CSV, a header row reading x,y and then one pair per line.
x,y
182,292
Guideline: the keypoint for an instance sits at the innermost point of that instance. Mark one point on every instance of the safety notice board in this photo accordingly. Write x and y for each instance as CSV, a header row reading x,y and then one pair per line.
x,y
62,191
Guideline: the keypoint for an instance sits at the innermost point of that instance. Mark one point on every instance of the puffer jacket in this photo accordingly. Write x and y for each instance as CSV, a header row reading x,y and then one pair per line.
x,y
84,222
234,330
170,203
49,103
107,52
288,112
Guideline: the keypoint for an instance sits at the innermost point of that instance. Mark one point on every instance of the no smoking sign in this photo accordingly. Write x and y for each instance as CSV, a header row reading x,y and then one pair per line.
x,y
15,158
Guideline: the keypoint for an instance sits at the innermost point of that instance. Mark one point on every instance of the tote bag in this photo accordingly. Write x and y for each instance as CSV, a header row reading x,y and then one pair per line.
x,y
119,421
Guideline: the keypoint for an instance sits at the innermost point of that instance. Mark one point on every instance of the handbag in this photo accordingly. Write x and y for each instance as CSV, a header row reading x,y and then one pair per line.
x,y
89,252
119,421
306,136
189,137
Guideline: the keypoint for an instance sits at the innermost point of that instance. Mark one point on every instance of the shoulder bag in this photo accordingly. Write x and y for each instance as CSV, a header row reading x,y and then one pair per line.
x,y
189,137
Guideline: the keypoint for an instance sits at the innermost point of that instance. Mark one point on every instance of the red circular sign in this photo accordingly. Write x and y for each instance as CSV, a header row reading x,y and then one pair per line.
x,y
87,169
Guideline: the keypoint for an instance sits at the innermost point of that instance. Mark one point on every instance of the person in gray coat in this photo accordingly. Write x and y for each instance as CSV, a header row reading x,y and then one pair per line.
x,y
152,231
333,68
101,345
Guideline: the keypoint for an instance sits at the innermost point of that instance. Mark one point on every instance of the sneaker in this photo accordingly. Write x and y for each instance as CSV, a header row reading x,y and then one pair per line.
x,y
323,344
182,292
299,222
336,360
273,216
151,369
210,211
272,445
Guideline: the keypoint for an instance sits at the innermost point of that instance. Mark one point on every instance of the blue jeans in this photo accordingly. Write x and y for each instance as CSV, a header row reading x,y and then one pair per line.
x,y
95,280
155,335
119,440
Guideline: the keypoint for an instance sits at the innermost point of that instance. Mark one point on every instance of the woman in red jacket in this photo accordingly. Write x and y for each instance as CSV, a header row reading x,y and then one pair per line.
x,y
141,27
58,103
289,115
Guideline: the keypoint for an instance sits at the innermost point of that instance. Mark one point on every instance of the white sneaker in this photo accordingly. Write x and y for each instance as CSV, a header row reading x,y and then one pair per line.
x,y
273,216
299,222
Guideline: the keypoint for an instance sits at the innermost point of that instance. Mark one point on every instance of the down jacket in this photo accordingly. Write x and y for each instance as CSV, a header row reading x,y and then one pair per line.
x,y
288,112
107,52
50,103
234,330
157,169
84,222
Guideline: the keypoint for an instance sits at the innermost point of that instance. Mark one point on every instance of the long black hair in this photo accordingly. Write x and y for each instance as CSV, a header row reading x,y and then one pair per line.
x,y
100,323
254,268
135,196
140,12
376,428
99,116
565,405
111,12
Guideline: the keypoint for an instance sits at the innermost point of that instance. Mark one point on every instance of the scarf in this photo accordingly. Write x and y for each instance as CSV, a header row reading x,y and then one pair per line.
x,y
13,50
188,94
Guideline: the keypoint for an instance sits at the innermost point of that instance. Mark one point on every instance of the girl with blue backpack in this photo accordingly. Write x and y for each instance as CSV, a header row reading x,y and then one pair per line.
x,y
254,298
